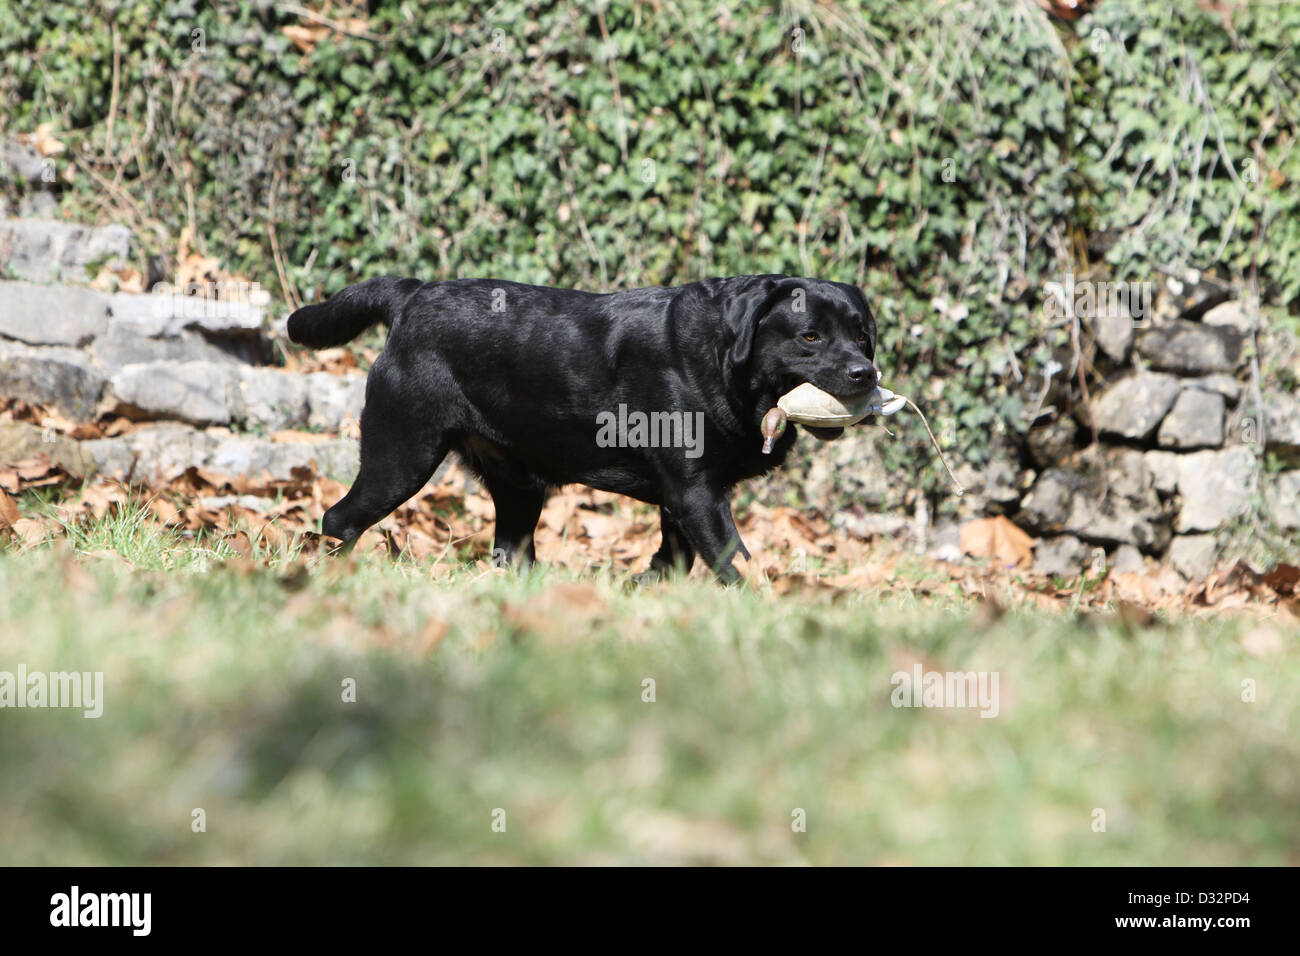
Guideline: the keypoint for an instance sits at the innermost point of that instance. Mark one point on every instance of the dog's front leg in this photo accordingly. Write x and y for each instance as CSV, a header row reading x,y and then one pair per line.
x,y
675,554
704,514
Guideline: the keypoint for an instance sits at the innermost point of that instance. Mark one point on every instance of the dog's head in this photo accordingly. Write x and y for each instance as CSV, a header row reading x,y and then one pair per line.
x,y
785,331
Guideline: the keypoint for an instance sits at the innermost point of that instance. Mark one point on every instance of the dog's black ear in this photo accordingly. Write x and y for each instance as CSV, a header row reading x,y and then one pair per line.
x,y
744,307
872,335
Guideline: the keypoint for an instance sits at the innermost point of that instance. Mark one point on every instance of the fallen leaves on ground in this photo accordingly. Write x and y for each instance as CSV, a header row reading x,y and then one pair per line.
x,y
17,410
336,361
37,472
448,526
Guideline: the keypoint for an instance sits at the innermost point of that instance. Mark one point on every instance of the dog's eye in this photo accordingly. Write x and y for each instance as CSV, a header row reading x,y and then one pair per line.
x,y
811,337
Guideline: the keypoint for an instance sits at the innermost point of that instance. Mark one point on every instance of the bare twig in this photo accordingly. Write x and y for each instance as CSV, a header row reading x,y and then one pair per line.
x,y
613,78
112,100
325,21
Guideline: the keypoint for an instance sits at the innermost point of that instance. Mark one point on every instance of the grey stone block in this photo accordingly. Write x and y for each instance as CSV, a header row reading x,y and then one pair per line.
x,y
1281,422
1133,407
1064,556
1220,382
1193,555
197,392
22,440
1191,348
1163,466
1127,559
1282,499
1214,487
246,455
167,312
270,398
152,452
45,250
120,346
1049,443
51,314
21,161
1233,314
332,400
1114,335
62,377
1195,421
1114,502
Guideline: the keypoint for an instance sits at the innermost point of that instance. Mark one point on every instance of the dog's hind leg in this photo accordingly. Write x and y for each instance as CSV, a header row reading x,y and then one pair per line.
x,y
398,457
518,508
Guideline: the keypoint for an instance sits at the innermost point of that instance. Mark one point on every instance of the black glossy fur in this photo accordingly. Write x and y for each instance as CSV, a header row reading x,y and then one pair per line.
x,y
512,377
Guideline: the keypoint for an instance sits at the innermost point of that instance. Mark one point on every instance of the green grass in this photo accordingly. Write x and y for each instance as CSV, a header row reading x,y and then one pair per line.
x,y
223,692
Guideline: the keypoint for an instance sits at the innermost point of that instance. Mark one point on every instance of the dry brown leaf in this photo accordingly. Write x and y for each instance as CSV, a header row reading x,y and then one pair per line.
x,y
559,509
194,267
120,426
44,141
240,543
9,515
787,584
305,38
35,472
33,531
165,511
1283,578
124,279
480,505
101,498
865,577
997,538
300,437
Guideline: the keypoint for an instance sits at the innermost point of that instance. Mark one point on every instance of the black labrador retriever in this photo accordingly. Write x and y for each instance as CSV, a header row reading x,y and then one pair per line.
x,y
658,394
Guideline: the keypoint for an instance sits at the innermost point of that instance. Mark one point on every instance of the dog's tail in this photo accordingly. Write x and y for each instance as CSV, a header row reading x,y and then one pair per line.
x,y
351,312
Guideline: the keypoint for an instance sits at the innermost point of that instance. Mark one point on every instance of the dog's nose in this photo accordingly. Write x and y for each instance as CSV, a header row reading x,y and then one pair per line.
x,y
864,374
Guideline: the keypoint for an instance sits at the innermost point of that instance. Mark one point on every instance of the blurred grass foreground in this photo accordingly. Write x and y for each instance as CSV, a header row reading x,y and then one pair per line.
x,y
281,712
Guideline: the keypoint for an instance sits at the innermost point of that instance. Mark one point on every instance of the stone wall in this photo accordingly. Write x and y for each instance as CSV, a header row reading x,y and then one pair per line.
x,y
191,374
1183,423
183,381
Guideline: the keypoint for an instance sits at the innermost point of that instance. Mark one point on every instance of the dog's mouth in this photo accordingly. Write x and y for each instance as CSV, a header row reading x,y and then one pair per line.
x,y
837,390
850,395
846,391
824,434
